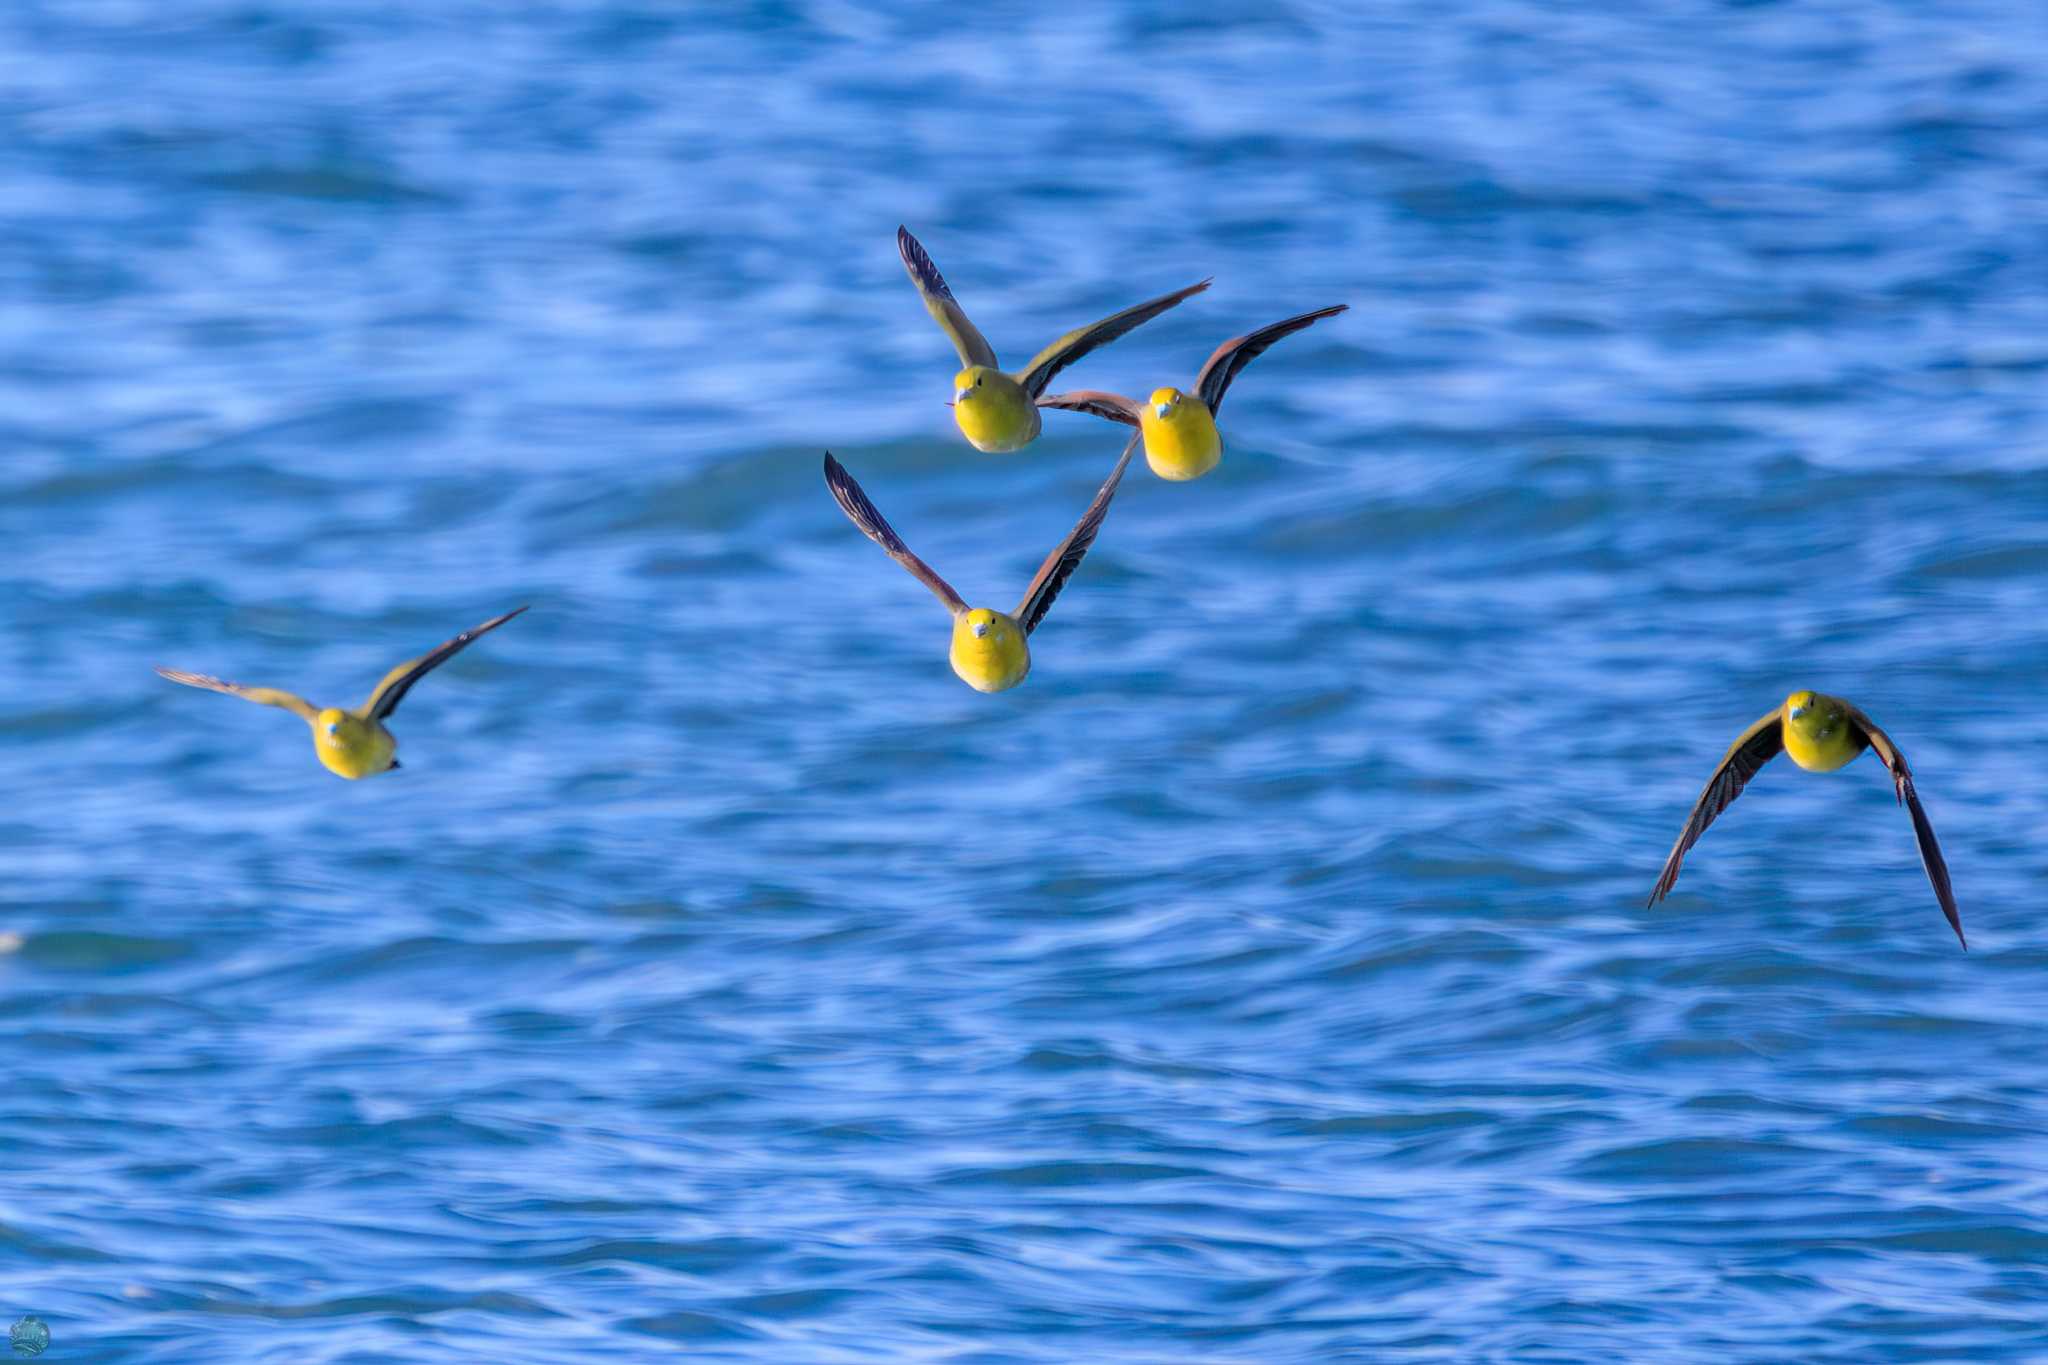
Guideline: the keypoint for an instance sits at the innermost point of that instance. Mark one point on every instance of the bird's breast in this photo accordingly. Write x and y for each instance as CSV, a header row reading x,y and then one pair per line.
x,y
359,751
1184,444
991,662
1000,417
1822,753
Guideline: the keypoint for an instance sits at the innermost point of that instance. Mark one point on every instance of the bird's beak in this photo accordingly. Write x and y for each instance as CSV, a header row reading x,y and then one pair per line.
x,y
1162,408
1797,712
980,629
959,394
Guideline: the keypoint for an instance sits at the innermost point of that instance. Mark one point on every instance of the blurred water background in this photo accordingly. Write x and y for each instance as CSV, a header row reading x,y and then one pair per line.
x,y
1267,979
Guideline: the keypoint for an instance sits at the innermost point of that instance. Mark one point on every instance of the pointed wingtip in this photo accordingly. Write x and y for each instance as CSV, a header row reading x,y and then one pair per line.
x,y
493,623
836,476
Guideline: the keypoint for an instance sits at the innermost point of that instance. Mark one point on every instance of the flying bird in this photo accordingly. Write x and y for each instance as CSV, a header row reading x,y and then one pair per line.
x,y
989,649
995,410
1181,440
351,744
1821,734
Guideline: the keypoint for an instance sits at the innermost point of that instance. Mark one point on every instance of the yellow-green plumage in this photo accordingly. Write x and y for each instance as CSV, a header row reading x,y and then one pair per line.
x,y
993,411
353,746
1819,735
1181,440
989,652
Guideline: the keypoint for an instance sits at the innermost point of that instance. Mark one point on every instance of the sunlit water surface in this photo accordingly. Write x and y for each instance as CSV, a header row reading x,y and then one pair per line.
x,y
1268,979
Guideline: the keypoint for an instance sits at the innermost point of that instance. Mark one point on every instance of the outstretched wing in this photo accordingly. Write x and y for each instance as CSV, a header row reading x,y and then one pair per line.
x,y
1079,342
1059,566
1114,406
384,700
1756,746
1238,352
262,696
939,301
864,514
1923,832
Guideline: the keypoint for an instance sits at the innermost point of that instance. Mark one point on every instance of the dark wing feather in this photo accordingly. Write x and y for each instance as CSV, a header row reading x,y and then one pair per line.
x,y
875,527
1923,832
1114,406
1238,352
1079,342
940,303
391,691
1059,566
1756,746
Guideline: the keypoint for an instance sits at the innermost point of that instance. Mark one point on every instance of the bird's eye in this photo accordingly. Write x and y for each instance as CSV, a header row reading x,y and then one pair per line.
x,y
977,381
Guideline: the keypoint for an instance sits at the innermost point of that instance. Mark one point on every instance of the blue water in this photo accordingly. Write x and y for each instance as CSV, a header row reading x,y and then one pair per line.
x,y
1266,980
